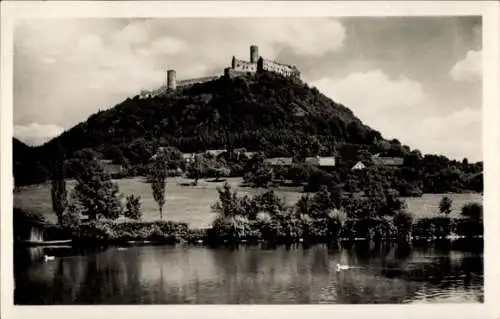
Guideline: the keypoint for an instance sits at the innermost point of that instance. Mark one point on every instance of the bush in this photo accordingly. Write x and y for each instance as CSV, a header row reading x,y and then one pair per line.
x,y
403,222
473,211
71,216
469,227
445,205
133,207
472,223
316,179
261,177
110,231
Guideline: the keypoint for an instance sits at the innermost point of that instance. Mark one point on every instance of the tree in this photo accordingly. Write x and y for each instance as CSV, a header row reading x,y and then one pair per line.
x,y
445,205
473,211
158,179
195,170
58,191
133,207
403,221
94,192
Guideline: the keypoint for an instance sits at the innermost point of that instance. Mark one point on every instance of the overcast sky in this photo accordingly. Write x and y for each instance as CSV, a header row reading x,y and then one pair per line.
x,y
414,79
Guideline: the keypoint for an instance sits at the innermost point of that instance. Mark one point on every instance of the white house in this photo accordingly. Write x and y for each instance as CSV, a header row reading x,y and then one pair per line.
x,y
358,166
321,161
279,161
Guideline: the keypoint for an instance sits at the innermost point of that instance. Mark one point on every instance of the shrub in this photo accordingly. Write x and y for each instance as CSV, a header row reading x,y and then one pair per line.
x,y
472,223
445,205
71,216
96,194
403,222
230,204
472,211
262,176
133,207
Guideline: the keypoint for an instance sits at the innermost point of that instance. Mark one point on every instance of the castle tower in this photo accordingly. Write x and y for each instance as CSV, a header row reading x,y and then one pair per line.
x,y
254,54
171,81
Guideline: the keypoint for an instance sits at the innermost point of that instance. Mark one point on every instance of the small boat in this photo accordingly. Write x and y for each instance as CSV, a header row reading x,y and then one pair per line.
x,y
47,258
122,248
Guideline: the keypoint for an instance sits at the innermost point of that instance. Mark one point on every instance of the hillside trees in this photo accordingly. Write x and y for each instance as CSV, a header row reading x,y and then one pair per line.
x,y
58,190
158,178
95,194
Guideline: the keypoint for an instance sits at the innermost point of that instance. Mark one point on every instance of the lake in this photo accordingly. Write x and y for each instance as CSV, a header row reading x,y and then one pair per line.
x,y
249,275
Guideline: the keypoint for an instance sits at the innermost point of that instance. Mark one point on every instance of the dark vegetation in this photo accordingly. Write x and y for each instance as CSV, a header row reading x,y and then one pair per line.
x,y
266,113
323,217
329,215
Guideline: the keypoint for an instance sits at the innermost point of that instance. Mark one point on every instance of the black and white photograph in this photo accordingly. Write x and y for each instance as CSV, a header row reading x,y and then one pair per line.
x,y
248,160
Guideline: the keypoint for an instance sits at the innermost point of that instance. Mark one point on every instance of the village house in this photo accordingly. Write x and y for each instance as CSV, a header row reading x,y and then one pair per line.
x,y
387,161
358,166
110,168
321,161
188,157
279,161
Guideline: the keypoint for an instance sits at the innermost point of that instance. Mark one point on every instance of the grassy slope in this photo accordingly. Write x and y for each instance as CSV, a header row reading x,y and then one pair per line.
x,y
192,204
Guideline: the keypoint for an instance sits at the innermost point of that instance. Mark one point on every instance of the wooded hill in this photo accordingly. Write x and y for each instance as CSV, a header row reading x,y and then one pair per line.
x,y
263,112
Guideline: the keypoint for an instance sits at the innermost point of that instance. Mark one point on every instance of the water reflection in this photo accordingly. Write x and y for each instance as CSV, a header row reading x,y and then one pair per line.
x,y
249,274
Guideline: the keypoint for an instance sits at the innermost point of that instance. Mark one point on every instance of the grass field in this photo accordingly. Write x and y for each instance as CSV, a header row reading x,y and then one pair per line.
x,y
191,204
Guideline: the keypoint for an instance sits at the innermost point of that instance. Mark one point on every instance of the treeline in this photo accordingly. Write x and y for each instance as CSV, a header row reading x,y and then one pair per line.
x,y
431,174
324,217
331,214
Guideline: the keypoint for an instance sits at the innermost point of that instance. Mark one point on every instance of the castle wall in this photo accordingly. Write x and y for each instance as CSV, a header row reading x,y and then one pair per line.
x,y
238,68
243,66
283,69
184,83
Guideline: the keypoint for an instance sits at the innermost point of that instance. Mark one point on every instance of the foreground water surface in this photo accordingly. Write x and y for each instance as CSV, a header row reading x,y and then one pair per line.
x,y
249,275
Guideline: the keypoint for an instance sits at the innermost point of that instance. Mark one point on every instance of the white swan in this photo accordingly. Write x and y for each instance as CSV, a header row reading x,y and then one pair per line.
x,y
340,267
47,258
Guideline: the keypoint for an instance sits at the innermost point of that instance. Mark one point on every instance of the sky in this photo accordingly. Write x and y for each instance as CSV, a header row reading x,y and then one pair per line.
x,y
417,79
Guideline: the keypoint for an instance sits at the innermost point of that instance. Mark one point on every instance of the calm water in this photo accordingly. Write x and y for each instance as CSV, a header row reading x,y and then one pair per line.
x,y
279,275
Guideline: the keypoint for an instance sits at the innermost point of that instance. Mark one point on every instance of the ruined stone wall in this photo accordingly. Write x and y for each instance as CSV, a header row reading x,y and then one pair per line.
x,y
283,69
184,83
243,66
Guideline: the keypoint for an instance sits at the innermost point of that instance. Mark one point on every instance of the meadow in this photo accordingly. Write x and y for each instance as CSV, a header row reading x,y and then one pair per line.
x,y
192,204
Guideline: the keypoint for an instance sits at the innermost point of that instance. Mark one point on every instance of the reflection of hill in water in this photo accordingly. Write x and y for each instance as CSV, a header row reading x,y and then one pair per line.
x,y
163,274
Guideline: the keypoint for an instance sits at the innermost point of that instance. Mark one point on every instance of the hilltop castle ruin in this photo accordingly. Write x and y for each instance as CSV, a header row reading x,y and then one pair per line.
x,y
238,68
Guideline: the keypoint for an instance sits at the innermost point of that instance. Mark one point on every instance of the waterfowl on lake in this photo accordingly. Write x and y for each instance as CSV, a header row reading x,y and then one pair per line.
x,y
340,267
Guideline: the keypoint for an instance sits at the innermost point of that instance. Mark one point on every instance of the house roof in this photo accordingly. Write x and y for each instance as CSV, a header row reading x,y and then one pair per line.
x,y
215,152
279,161
358,165
321,161
392,161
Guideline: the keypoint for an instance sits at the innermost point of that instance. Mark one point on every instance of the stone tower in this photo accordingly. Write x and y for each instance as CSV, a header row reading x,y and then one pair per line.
x,y
254,54
171,81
